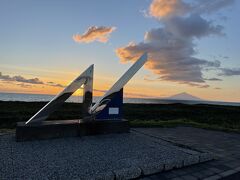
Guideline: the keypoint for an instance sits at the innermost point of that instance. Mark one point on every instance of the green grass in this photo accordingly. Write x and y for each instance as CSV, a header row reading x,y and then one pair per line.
x,y
217,117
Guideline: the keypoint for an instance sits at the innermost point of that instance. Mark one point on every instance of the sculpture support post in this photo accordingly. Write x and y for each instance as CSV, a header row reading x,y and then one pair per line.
x,y
87,96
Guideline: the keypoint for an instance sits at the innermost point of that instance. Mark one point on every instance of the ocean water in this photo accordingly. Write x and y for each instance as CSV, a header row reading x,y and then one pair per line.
x,y
75,99
78,99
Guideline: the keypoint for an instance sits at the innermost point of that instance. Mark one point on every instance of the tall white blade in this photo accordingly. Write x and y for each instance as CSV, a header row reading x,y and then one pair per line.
x,y
101,103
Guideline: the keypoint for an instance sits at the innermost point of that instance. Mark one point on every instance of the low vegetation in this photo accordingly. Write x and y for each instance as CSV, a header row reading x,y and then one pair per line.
x,y
140,115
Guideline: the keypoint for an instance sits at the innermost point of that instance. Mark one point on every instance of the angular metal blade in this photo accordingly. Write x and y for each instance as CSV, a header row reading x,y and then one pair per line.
x,y
101,103
62,97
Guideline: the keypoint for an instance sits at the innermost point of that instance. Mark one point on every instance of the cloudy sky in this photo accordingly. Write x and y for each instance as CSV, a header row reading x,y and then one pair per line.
x,y
193,46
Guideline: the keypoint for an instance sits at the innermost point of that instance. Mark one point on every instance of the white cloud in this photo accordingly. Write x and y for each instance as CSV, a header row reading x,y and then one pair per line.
x,y
94,33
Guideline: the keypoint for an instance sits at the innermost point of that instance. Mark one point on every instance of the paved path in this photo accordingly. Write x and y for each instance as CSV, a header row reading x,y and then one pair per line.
x,y
225,147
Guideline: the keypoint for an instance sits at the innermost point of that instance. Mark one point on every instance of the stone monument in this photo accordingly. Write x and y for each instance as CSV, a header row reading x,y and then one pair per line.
x,y
103,117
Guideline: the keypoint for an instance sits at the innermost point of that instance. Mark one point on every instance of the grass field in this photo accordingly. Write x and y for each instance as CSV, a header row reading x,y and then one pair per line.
x,y
140,115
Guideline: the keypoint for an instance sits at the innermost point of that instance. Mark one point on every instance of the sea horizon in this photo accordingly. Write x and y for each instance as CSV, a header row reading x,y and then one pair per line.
x,y
29,97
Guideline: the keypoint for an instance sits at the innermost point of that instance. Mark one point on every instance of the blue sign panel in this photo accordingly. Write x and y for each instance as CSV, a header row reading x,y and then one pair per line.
x,y
113,110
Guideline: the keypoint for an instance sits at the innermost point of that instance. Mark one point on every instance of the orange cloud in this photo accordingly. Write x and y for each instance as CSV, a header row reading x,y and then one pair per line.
x,y
170,56
165,8
94,33
171,47
25,82
128,55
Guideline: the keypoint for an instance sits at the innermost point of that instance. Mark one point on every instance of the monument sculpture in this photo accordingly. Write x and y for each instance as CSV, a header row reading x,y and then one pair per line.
x,y
105,116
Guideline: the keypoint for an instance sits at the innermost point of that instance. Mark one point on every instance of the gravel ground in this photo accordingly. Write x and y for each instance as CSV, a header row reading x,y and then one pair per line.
x,y
120,156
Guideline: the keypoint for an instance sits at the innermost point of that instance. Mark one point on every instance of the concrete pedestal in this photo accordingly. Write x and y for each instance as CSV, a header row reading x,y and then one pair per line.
x,y
68,128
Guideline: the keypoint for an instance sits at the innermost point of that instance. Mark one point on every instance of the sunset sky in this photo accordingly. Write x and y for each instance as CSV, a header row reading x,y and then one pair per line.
x,y
193,46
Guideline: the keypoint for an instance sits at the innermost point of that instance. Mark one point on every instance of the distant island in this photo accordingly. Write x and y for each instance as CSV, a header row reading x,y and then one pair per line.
x,y
184,96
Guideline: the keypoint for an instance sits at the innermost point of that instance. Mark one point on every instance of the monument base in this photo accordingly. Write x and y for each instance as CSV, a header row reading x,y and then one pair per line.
x,y
68,128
